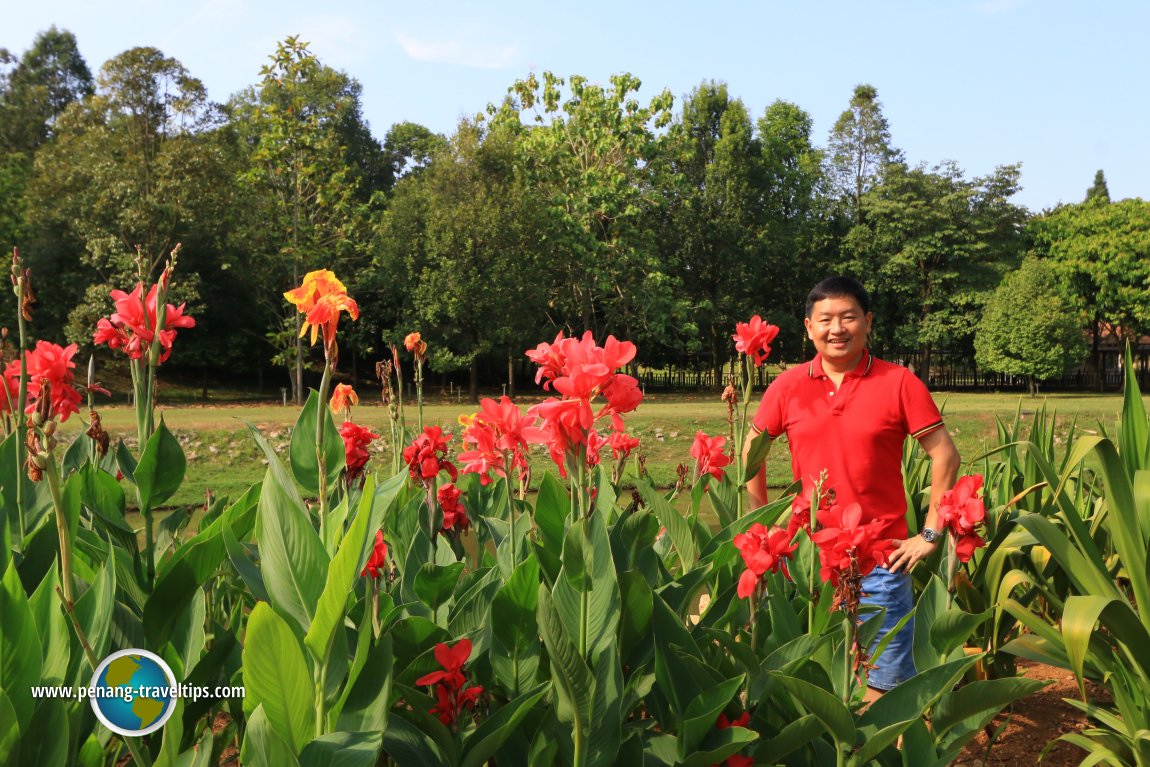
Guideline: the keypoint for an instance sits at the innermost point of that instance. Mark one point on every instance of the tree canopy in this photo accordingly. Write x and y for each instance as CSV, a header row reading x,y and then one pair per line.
x,y
566,205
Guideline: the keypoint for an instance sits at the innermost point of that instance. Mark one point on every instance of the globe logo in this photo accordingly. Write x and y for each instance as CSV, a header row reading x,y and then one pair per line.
x,y
132,692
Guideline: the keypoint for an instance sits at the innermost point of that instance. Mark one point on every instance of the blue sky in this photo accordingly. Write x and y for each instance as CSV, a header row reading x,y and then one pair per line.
x,y
1059,86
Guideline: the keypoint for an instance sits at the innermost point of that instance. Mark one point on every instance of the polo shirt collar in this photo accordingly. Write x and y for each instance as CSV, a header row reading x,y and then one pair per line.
x,y
815,369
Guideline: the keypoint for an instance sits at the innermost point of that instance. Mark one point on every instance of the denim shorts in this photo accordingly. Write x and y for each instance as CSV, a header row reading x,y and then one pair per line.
x,y
892,591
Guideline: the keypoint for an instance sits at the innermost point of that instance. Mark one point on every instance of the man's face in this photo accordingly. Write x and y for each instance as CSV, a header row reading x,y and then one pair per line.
x,y
839,328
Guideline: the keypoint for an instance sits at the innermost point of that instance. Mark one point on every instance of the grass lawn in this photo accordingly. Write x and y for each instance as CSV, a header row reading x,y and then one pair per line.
x,y
223,458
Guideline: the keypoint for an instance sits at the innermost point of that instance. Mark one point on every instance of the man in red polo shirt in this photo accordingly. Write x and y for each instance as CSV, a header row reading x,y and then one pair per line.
x,y
848,413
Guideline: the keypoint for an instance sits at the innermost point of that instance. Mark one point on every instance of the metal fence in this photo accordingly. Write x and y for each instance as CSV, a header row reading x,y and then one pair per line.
x,y
949,371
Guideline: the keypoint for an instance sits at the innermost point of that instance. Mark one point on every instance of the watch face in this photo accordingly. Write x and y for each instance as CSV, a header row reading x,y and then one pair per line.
x,y
929,535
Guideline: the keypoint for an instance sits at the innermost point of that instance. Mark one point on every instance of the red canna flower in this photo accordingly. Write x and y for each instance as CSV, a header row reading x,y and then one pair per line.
x,y
50,373
355,441
343,398
454,513
451,693
132,327
377,561
723,723
550,361
754,339
622,444
709,455
427,455
801,510
499,431
595,445
763,551
580,370
565,426
321,298
846,546
10,395
962,511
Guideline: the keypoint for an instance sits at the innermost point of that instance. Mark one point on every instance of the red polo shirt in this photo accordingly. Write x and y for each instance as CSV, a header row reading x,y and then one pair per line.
x,y
856,432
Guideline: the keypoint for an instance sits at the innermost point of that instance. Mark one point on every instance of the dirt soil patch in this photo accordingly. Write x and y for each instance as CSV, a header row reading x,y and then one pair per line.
x,y
1035,721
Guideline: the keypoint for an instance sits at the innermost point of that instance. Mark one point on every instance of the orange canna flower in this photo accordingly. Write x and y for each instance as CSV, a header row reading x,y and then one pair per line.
x,y
343,398
415,344
321,298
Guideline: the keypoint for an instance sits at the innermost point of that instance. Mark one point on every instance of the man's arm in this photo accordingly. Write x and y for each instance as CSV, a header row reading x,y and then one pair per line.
x,y
944,463
757,486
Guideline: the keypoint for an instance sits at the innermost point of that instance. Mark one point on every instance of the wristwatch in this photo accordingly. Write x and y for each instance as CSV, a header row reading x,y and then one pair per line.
x,y
928,535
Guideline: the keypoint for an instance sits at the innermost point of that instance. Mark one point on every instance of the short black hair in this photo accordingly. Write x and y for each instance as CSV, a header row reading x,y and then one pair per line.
x,y
838,287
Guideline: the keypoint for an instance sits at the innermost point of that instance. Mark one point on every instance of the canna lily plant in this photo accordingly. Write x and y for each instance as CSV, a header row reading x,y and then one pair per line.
x,y
570,631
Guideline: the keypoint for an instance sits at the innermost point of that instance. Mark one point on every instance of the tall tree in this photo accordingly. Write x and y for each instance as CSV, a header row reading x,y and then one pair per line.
x,y
1039,342
35,89
1101,253
1098,190
932,248
301,125
797,239
591,158
714,191
133,168
408,147
49,76
470,280
860,147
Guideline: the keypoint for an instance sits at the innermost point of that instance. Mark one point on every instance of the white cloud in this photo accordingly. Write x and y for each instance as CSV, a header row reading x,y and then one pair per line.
x,y
459,52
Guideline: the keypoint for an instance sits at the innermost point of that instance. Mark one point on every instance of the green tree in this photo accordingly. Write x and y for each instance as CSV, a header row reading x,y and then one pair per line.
x,y
1029,328
460,244
311,162
408,147
1101,253
860,147
798,242
1098,190
134,167
34,91
713,216
591,158
932,247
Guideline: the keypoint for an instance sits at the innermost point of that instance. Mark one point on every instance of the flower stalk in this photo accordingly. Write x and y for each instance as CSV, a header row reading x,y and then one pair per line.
x,y
21,281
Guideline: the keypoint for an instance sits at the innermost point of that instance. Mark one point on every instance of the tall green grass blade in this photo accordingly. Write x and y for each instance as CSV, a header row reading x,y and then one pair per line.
x,y
1134,431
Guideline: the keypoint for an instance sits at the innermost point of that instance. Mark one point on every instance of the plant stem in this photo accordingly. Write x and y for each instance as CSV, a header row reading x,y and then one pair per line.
x,y
507,468
320,458
21,419
67,593
419,389
320,698
741,430
63,529
139,755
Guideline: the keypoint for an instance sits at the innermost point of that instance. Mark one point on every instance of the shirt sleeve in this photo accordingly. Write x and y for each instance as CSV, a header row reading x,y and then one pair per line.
x,y
769,417
920,414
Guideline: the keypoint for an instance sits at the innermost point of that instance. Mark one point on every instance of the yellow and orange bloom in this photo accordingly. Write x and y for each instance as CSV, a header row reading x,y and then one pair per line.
x,y
321,298
415,344
343,398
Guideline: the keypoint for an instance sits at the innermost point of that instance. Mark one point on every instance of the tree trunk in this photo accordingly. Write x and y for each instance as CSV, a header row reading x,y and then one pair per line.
x,y
1096,354
297,377
924,364
510,376
1032,384
473,382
